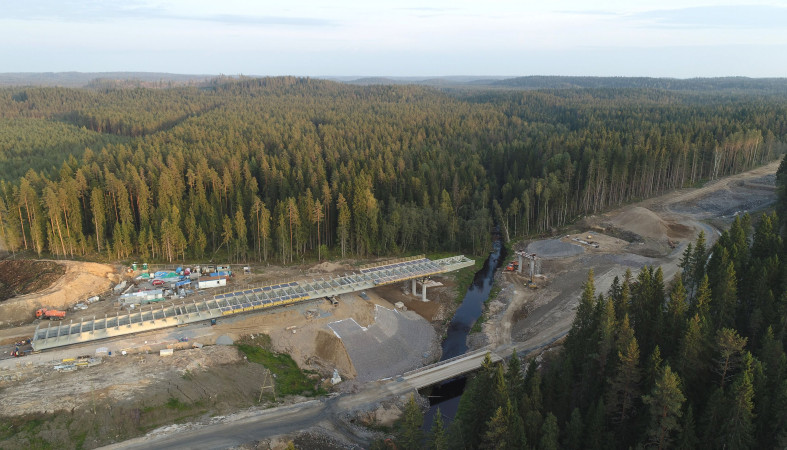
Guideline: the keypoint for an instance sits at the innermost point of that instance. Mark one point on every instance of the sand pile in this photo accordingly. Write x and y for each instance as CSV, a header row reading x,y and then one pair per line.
x,y
643,222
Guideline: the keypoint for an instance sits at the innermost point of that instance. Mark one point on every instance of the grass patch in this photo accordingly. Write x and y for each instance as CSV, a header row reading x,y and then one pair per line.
x,y
477,326
290,380
493,293
175,403
464,277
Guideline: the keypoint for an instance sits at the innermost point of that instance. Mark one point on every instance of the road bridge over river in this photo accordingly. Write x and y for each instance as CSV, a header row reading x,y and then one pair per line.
x,y
242,301
286,419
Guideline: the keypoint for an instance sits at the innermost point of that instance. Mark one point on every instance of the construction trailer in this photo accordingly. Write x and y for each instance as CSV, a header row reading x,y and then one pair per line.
x,y
143,297
211,282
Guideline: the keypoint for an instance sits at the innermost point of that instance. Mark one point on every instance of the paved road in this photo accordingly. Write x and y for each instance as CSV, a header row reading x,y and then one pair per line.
x,y
304,415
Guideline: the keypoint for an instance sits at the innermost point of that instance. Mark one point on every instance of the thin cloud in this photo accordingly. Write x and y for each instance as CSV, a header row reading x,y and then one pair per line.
x,y
732,16
92,11
589,12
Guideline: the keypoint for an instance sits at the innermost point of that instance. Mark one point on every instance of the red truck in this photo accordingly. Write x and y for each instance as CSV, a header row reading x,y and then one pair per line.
x,y
51,314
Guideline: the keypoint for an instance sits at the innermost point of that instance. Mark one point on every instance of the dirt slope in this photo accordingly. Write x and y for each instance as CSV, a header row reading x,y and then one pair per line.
x,y
24,276
79,281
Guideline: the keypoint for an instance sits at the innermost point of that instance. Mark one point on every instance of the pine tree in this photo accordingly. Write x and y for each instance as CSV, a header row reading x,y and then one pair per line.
x,y
729,348
665,404
343,228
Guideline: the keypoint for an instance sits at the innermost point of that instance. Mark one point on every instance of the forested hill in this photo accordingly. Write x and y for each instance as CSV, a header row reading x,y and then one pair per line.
x,y
97,79
739,84
286,168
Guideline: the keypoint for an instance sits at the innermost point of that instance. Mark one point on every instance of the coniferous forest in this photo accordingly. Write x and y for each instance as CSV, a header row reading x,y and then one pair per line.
x,y
281,169
695,363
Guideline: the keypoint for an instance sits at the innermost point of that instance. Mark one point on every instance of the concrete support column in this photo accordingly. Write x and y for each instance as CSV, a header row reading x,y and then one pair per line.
x,y
423,292
414,287
520,263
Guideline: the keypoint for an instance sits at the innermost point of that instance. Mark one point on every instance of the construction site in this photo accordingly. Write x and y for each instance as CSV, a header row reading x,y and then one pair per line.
x,y
130,355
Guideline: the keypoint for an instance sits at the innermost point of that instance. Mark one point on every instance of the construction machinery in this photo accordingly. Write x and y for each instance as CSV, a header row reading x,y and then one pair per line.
x,y
513,266
51,314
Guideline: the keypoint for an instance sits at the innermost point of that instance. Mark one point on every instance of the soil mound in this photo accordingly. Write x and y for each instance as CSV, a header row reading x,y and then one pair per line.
x,y
22,276
643,222
80,281
330,348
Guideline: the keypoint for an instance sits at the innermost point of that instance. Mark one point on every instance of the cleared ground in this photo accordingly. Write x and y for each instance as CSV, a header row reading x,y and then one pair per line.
x,y
654,232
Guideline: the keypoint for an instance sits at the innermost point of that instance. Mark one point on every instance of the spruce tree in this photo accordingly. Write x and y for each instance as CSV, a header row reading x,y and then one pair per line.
x,y
574,431
738,426
437,436
549,433
409,434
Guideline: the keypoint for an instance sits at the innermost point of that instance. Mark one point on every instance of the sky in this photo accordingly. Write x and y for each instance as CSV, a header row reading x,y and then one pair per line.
x,y
657,38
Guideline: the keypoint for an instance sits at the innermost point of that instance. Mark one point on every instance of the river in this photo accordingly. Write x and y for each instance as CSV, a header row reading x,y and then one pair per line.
x,y
447,394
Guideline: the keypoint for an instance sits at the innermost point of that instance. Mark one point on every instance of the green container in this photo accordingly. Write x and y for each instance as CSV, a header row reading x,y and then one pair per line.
x,y
144,266
133,266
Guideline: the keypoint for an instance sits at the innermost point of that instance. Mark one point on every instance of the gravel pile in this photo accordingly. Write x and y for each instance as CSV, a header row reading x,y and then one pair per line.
x,y
394,344
554,248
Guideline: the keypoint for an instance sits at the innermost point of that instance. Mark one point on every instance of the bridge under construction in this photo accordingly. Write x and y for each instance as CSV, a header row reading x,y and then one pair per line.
x,y
246,300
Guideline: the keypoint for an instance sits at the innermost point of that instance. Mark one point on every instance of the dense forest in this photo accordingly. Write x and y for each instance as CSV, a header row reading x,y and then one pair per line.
x,y
289,168
697,363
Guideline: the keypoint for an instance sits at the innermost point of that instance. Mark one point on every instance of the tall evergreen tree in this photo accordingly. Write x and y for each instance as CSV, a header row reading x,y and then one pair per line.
x,y
409,434
665,404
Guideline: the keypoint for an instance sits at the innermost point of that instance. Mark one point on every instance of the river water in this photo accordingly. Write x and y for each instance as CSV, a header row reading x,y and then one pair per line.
x,y
446,395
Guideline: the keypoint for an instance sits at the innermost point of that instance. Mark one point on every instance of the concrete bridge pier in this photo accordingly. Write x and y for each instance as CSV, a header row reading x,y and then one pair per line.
x,y
414,285
520,263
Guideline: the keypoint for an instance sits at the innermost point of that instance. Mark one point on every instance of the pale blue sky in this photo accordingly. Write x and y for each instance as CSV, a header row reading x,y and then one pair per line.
x,y
672,38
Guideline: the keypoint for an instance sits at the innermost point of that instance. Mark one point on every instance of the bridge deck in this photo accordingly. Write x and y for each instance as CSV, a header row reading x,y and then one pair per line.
x,y
240,301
